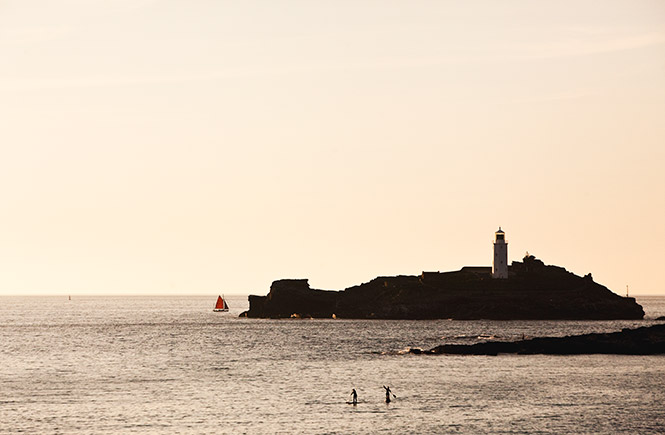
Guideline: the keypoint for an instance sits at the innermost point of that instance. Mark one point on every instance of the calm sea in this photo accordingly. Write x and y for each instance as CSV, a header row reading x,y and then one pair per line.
x,y
170,365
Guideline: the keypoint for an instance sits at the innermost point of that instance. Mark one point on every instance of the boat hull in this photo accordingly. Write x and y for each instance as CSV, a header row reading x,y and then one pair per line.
x,y
220,309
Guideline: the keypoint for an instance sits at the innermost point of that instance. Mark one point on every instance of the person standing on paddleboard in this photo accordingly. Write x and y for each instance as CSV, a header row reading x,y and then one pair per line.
x,y
388,393
354,396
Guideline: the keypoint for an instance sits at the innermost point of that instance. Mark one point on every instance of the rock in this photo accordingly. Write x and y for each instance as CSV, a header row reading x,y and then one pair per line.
x,y
641,341
533,291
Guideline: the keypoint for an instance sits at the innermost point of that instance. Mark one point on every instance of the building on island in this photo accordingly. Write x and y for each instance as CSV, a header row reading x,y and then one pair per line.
x,y
500,263
499,269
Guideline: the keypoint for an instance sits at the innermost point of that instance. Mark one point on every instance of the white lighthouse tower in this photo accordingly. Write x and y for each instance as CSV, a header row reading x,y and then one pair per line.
x,y
500,263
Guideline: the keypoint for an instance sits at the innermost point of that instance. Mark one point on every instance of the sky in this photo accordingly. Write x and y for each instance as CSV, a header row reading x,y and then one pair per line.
x,y
205,147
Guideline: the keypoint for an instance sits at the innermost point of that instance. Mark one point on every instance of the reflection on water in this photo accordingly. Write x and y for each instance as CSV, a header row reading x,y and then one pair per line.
x,y
146,365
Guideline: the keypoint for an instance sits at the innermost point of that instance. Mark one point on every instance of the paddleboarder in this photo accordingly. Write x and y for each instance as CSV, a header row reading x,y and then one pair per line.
x,y
354,396
388,393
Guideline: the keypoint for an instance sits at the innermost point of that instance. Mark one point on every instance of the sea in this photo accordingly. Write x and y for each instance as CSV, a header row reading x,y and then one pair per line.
x,y
153,365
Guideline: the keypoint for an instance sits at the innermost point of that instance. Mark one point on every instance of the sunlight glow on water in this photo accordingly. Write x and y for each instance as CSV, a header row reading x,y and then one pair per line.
x,y
149,365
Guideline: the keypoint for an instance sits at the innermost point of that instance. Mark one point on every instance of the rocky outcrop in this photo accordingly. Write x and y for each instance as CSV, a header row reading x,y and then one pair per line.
x,y
292,297
641,341
532,291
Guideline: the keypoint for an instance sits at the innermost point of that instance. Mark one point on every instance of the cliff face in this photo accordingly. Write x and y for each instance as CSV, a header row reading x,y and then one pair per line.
x,y
533,291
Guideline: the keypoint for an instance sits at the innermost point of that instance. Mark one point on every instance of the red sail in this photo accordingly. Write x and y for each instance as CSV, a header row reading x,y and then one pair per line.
x,y
220,303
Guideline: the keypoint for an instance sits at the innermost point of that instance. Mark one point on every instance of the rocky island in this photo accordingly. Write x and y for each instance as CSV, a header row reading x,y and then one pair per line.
x,y
639,341
529,290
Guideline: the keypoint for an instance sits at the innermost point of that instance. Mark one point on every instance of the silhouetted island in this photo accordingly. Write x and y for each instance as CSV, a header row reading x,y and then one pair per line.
x,y
531,291
641,341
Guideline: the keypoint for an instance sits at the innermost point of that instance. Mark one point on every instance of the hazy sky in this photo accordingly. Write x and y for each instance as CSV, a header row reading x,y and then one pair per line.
x,y
213,147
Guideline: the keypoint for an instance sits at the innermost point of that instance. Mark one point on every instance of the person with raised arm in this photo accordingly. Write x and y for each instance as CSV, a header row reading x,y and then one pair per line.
x,y
388,393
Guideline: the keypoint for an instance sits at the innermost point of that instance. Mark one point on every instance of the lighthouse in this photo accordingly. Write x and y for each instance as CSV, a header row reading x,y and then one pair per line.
x,y
500,263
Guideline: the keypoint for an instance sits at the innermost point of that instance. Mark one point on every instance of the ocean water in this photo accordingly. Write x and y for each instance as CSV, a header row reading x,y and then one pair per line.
x,y
100,365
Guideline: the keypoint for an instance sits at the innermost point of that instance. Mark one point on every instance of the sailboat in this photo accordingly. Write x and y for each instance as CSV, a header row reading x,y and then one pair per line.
x,y
221,305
